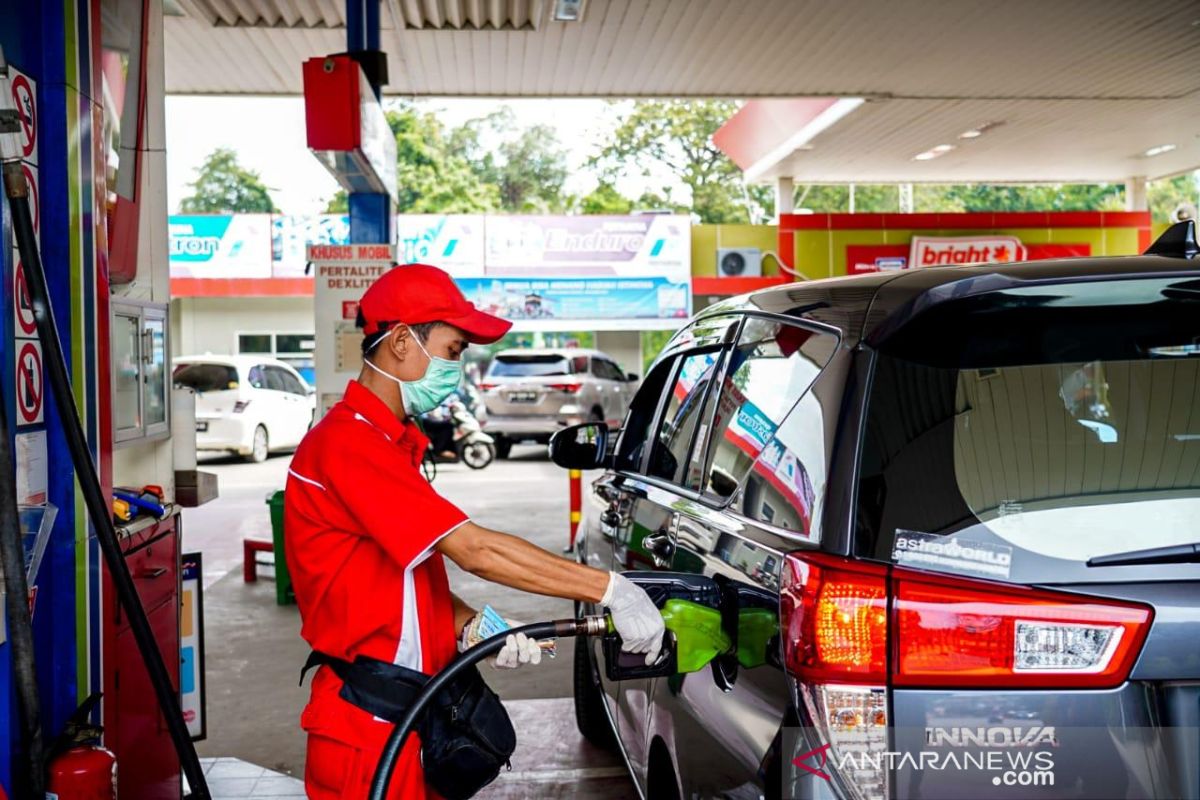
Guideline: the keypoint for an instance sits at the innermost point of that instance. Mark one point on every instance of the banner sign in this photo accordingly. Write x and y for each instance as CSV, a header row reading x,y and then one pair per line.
x,y
192,696
291,236
864,258
576,299
453,242
220,245
586,268
954,251
343,273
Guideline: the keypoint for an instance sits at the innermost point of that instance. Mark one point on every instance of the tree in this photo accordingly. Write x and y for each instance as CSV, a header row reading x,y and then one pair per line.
x,y
339,203
527,166
676,137
430,178
605,199
223,186
1166,195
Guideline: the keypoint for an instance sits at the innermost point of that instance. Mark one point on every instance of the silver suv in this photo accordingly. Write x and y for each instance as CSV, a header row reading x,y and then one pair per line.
x,y
531,394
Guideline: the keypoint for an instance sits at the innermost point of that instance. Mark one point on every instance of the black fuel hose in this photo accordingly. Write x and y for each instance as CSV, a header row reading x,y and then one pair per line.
x,y
98,507
562,628
20,625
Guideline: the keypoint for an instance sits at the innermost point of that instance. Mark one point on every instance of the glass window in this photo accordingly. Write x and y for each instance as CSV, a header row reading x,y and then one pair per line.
x,y
770,369
276,379
786,484
127,374
529,366
1044,437
608,370
636,432
579,365
291,383
156,372
682,415
258,377
295,342
255,343
206,377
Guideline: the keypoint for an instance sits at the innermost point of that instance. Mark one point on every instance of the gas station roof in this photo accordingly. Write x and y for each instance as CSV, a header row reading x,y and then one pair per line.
x,y
1081,95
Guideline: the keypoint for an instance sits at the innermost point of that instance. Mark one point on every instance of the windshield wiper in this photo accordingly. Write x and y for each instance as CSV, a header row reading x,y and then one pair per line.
x,y
1170,554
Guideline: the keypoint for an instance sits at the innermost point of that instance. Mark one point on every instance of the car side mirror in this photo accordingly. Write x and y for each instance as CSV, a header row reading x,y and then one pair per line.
x,y
581,446
632,377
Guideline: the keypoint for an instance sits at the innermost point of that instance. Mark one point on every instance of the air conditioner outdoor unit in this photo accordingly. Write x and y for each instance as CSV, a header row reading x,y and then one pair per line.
x,y
739,262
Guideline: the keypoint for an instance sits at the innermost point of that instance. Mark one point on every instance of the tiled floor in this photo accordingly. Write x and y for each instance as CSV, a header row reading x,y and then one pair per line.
x,y
234,779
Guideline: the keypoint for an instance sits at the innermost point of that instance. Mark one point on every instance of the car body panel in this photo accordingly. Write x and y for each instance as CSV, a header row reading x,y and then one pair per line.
x,y
529,406
720,733
286,415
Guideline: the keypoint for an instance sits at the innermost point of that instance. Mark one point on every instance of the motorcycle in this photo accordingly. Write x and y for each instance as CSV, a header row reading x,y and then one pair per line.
x,y
472,446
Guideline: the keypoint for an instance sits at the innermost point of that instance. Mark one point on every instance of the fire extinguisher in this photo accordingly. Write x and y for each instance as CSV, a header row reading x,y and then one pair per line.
x,y
79,768
84,772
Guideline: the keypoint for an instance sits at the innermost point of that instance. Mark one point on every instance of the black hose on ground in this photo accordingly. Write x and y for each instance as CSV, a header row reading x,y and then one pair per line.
x,y
563,628
20,624
89,482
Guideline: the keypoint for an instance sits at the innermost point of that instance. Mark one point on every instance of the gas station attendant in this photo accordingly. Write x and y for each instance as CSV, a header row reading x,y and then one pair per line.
x,y
366,534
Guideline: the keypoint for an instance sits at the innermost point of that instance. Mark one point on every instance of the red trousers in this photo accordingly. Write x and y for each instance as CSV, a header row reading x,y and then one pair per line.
x,y
338,771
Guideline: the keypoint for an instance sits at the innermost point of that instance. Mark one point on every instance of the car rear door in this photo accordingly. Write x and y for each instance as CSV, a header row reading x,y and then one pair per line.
x,y
289,425
1036,472
754,495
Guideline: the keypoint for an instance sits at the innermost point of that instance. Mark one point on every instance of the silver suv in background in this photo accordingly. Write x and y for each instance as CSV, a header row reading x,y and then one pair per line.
x,y
530,394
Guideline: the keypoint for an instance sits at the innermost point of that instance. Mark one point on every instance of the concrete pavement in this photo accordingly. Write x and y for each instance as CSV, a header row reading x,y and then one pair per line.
x,y
254,651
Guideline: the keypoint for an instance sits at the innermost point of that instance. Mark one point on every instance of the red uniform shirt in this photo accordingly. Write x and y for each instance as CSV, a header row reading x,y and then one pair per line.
x,y
361,523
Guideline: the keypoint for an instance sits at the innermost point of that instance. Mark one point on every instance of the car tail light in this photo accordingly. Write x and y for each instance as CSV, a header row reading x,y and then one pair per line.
x,y
852,629
240,406
960,632
834,615
569,388
487,387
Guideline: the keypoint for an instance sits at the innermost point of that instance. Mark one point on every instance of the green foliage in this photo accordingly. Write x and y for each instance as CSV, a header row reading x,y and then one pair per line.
x,y
223,186
652,344
1164,196
339,203
605,199
527,166
675,136
883,198
430,177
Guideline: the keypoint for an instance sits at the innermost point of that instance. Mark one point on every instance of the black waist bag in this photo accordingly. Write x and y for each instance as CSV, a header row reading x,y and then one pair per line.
x,y
466,735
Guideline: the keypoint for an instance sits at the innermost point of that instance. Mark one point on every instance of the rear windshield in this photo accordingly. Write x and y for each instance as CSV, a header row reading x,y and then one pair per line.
x,y
206,377
1071,432
530,366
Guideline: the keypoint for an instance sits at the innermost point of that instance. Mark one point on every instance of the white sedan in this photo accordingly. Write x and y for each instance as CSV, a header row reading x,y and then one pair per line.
x,y
248,405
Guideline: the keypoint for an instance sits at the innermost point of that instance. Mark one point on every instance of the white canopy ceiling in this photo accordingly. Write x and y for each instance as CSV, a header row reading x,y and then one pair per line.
x,y
1083,87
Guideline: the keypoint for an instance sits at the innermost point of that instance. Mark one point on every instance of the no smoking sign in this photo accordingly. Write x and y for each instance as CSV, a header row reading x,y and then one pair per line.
x,y
30,383
23,319
24,95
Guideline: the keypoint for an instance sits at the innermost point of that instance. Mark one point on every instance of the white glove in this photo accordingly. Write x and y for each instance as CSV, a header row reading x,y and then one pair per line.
x,y
635,617
518,649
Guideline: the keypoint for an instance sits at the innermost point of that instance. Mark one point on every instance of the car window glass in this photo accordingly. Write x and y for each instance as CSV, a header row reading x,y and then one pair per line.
x,y
206,377
682,414
636,432
579,365
528,366
771,367
275,379
786,485
291,383
258,377
614,372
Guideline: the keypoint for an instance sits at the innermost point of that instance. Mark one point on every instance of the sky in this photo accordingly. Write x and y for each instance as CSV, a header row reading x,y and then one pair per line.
x,y
267,133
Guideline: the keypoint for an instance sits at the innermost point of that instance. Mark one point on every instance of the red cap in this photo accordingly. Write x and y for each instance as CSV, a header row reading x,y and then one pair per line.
x,y
417,293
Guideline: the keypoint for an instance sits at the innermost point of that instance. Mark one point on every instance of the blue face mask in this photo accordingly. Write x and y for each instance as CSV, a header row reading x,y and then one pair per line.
x,y
441,378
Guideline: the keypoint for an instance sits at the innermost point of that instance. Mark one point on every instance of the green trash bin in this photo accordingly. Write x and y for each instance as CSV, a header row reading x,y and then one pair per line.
x,y
283,580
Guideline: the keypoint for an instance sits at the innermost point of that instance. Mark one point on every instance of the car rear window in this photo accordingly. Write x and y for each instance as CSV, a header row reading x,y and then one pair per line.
x,y
206,377
530,366
1040,436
